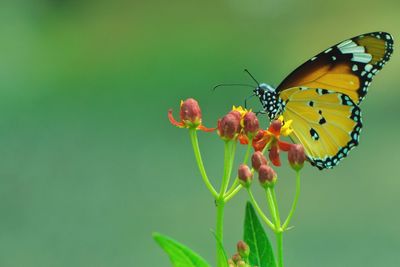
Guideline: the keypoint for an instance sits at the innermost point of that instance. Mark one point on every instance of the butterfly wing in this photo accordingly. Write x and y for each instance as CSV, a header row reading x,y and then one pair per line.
x,y
327,123
347,67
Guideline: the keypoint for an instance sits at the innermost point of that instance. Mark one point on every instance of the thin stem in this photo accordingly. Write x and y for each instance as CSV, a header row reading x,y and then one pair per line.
x,y
196,149
296,198
279,244
227,168
229,153
219,232
260,212
271,206
275,202
235,186
228,195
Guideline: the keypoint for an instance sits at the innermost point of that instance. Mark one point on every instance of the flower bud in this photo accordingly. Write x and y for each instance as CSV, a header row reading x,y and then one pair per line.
x,y
296,156
229,126
245,175
190,112
266,176
231,263
236,257
258,159
243,249
241,263
236,114
250,124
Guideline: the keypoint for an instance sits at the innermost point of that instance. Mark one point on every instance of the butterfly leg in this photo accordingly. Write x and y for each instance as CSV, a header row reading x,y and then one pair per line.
x,y
247,98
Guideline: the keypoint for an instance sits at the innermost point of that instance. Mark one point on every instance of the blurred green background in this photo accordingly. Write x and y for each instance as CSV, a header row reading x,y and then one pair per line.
x,y
90,165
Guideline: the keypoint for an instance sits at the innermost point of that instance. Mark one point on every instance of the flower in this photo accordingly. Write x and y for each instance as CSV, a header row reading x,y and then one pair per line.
x,y
296,156
271,137
250,124
190,115
267,176
258,159
245,176
229,126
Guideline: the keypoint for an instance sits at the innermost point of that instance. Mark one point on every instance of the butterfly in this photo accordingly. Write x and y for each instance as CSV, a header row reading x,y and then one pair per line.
x,y
323,95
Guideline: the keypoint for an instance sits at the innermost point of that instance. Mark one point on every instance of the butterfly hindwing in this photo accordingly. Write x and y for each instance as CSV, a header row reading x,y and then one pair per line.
x,y
327,123
347,67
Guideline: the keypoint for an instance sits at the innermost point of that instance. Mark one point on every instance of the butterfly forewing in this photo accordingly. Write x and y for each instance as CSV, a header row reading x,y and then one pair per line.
x,y
327,123
347,67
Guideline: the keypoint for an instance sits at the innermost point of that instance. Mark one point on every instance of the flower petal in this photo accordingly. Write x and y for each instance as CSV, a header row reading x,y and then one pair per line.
x,y
173,121
274,155
285,146
205,129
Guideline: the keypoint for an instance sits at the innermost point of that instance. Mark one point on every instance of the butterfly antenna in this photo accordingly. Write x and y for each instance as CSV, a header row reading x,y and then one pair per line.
x,y
232,84
254,79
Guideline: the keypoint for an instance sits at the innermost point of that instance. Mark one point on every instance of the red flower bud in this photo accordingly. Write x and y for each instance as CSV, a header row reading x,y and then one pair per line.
x,y
296,156
243,249
258,159
266,176
250,124
236,114
229,126
190,112
245,175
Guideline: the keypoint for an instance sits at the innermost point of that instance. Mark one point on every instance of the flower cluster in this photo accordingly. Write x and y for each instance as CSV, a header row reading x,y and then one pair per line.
x,y
240,125
240,258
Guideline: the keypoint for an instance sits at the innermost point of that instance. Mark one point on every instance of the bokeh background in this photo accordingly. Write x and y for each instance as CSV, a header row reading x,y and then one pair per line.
x,y
90,166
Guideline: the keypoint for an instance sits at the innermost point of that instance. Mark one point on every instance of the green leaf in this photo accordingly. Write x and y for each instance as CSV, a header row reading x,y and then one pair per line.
x,y
221,248
180,255
261,253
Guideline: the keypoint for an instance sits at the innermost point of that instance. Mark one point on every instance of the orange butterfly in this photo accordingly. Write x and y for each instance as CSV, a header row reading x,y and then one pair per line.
x,y
322,96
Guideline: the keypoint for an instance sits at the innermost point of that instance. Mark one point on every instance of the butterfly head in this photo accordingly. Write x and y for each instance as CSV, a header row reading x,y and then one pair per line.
x,y
270,101
262,88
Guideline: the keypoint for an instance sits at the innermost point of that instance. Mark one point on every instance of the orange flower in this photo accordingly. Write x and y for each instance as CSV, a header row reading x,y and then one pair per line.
x,y
190,115
271,137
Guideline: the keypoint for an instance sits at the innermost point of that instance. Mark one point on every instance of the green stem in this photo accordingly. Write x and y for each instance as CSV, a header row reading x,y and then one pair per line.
x,y
219,232
260,212
196,149
273,203
229,153
235,188
279,244
230,195
294,205
227,168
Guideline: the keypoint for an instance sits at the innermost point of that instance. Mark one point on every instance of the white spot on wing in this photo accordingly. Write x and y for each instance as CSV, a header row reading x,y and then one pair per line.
x,y
361,57
355,67
368,67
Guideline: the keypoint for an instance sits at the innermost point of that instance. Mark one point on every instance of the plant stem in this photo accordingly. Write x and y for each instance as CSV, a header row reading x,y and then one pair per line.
x,y
219,232
273,204
258,209
296,197
279,244
227,168
229,153
235,186
196,149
